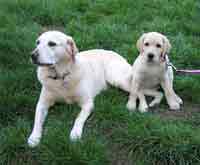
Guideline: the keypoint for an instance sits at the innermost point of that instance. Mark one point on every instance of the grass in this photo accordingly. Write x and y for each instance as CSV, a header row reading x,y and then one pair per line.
x,y
111,135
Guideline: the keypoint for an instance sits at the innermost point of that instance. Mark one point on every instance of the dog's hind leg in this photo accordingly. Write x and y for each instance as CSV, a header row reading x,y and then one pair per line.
x,y
156,94
119,74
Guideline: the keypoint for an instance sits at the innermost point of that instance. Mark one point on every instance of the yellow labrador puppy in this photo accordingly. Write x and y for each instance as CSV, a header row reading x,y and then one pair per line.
x,y
150,70
69,76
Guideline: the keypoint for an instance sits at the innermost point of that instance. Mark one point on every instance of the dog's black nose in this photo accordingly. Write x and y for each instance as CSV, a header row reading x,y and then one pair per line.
x,y
34,55
150,56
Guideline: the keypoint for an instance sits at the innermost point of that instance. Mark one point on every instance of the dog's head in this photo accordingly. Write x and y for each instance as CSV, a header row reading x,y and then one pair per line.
x,y
154,47
53,47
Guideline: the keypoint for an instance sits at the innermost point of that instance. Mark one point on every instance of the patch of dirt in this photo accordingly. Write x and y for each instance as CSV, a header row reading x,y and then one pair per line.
x,y
120,156
187,111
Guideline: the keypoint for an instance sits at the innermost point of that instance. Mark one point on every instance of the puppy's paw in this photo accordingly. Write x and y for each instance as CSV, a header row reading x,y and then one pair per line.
x,y
33,141
179,100
153,104
143,108
174,106
75,134
131,105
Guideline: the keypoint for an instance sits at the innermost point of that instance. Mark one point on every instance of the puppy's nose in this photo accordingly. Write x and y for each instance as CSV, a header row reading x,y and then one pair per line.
x,y
34,55
150,56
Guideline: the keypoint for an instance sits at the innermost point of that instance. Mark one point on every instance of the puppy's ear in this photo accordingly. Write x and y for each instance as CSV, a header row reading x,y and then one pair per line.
x,y
140,43
166,45
73,50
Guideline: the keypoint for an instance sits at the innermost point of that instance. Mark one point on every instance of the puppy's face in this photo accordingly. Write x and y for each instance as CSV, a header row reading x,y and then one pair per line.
x,y
153,47
53,47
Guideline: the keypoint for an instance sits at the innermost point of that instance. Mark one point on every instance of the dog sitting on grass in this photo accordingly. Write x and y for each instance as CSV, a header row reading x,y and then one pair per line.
x,y
150,70
69,76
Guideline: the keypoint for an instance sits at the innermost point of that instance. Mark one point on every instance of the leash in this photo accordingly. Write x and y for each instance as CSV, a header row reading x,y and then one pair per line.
x,y
184,71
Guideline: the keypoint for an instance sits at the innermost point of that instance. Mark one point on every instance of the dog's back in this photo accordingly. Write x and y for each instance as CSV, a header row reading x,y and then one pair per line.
x,y
115,69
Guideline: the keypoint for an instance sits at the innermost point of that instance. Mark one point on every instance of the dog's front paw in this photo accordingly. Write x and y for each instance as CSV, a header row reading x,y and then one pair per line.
x,y
143,109
153,104
175,106
131,105
33,141
179,100
75,134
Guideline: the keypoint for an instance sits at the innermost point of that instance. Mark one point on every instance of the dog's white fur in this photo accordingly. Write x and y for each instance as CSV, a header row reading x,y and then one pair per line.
x,y
148,73
88,73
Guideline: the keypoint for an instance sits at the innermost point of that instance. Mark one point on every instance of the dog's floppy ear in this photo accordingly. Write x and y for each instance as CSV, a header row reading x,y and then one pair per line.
x,y
166,48
166,45
73,50
140,43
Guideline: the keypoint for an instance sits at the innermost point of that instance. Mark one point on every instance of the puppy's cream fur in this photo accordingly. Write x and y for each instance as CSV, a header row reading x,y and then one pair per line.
x,y
150,70
80,77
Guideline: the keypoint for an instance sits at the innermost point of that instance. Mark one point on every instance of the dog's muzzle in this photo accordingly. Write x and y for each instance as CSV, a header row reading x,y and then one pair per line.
x,y
34,58
150,57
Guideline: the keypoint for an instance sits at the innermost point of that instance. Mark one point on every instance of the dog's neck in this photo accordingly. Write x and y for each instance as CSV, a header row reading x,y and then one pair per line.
x,y
64,66
62,69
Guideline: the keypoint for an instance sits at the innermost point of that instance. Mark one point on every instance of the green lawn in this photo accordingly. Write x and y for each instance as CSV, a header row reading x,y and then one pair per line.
x,y
112,135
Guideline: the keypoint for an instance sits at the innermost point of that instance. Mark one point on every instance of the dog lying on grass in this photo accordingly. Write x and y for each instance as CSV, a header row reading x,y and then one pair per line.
x,y
150,70
69,76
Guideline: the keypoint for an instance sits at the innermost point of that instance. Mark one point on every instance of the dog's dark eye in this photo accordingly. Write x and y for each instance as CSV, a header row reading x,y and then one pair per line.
x,y
51,43
37,42
146,44
158,45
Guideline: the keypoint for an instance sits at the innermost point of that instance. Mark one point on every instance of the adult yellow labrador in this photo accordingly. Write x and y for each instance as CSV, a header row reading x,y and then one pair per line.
x,y
150,70
69,76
